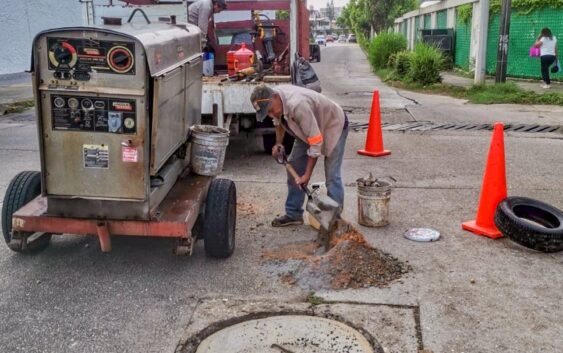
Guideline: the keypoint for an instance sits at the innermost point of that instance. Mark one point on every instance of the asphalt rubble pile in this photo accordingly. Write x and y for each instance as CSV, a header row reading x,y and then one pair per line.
x,y
350,263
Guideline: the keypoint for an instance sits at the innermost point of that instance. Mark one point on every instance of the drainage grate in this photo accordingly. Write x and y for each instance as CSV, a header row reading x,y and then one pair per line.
x,y
432,126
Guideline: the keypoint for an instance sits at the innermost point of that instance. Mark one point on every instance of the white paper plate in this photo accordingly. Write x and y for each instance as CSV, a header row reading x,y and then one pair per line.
x,y
422,234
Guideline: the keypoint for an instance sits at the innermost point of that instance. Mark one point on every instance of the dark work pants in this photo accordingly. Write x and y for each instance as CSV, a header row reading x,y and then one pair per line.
x,y
546,62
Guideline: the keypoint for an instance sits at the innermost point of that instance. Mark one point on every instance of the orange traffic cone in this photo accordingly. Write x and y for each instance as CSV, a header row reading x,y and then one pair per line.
x,y
493,190
374,140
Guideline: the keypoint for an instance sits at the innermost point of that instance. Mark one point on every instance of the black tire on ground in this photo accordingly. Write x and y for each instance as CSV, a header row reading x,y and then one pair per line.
x,y
220,218
531,223
269,140
23,188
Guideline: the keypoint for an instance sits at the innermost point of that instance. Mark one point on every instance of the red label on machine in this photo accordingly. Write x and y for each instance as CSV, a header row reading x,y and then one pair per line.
x,y
122,106
130,154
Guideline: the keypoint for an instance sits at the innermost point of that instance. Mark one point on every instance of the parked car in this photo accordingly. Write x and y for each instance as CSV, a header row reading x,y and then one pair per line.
x,y
342,38
320,40
351,38
329,38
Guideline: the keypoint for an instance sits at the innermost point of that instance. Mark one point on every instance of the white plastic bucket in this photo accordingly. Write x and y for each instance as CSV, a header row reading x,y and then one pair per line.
x,y
209,145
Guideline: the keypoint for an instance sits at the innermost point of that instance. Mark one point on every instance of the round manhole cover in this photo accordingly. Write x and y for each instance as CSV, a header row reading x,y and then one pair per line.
x,y
287,334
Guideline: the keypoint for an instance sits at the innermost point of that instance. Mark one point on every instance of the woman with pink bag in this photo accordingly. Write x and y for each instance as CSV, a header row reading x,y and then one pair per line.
x,y
547,44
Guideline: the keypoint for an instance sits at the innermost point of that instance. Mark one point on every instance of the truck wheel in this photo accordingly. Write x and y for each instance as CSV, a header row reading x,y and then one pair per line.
x,y
531,223
269,140
22,189
220,218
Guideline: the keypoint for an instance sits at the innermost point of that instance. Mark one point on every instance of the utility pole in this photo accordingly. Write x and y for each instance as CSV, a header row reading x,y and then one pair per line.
x,y
481,59
502,53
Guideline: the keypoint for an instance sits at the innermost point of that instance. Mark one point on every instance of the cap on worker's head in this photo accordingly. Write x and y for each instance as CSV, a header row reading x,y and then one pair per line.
x,y
261,99
221,3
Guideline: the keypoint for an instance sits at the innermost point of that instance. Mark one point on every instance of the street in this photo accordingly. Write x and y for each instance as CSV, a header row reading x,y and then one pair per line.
x,y
467,293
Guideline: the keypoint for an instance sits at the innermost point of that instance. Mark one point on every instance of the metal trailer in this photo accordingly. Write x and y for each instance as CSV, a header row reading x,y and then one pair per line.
x,y
115,104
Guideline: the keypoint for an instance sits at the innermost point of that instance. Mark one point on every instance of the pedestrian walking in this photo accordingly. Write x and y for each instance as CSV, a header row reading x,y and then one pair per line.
x,y
320,128
547,43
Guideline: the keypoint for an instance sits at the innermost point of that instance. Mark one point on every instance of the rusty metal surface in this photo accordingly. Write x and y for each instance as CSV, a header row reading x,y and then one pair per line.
x,y
175,218
104,236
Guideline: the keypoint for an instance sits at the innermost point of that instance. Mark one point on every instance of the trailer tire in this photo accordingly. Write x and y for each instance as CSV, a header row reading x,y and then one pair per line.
x,y
23,188
544,234
220,218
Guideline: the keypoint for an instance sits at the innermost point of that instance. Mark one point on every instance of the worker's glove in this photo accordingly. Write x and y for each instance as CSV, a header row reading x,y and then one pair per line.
x,y
278,151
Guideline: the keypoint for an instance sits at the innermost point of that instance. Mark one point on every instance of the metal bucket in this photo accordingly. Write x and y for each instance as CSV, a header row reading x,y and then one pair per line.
x,y
373,203
209,144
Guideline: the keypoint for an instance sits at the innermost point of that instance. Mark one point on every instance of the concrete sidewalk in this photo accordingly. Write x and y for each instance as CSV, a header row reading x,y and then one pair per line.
x,y
455,79
15,88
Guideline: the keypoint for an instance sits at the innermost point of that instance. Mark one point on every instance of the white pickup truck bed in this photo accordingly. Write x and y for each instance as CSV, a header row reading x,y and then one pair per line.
x,y
232,97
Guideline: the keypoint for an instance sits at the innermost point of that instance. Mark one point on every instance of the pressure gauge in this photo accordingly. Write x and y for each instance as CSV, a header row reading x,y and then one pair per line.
x,y
73,103
63,55
129,123
87,104
59,102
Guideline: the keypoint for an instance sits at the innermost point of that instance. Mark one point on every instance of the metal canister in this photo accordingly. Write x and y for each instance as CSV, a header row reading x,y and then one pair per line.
x,y
209,145
373,202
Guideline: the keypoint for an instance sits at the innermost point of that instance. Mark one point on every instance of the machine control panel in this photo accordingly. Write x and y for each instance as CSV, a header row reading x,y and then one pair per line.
x,y
73,58
93,114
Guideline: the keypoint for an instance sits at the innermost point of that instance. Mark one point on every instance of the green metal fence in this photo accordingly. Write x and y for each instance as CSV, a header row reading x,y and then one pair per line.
x,y
462,43
524,30
442,19
427,21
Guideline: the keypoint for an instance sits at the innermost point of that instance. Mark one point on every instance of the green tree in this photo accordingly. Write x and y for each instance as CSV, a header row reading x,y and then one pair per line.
x,y
360,15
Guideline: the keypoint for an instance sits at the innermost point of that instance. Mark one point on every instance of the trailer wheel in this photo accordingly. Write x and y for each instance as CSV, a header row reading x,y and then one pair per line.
x,y
531,223
220,218
23,188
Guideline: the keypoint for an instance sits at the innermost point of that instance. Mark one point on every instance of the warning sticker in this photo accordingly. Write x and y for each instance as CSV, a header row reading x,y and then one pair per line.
x,y
129,154
96,156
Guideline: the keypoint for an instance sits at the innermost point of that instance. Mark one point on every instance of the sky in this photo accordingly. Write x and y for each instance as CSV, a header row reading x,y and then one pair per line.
x,y
322,3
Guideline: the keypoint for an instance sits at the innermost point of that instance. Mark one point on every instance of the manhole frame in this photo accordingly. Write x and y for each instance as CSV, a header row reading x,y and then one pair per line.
x,y
191,344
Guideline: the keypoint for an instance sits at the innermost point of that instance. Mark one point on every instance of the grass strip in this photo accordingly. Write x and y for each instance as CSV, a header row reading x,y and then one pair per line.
x,y
17,107
505,93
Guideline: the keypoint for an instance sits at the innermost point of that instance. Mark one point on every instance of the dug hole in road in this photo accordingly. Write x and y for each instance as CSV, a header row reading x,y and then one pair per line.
x,y
463,293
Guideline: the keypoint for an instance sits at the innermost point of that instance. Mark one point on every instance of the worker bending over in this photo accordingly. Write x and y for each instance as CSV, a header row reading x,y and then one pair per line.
x,y
200,12
320,127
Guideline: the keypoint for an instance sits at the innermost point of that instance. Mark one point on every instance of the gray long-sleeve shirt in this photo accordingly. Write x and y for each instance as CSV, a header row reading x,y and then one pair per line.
x,y
199,14
312,117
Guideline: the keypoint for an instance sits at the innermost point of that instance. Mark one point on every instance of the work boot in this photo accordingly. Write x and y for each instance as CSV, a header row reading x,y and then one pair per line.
x,y
285,221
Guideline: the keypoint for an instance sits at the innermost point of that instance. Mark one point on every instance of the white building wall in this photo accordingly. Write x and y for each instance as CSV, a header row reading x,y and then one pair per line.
x,y
21,20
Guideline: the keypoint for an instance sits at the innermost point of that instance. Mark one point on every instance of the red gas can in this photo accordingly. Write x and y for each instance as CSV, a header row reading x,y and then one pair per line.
x,y
231,63
244,58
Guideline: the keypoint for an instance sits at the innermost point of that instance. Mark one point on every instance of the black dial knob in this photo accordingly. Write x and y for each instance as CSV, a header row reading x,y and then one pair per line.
x,y
120,59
